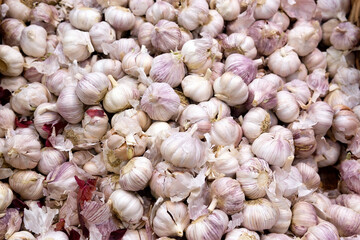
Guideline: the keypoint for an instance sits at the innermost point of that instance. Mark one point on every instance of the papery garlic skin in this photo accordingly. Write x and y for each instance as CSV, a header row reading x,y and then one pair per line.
x,y
171,219
183,150
333,9
348,171
193,13
225,162
266,9
284,61
109,67
346,220
28,184
327,152
58,80
18,10
263,92
216,109
242,66
260,214
287,109
13,83
120,18
100,33
239,43
304,216
77,45
84,18
92,87
242,233
254,176
11,61
226,131
300,90
50,159
300,74
126,206
160,101
7,120
119,48
22,235
135,175
231,89
210,226
345,36
314,60
197,88
322,114
6,196
166,36
137,64
139,115
256,122
95,123
69,105
195,115
11,29
344,124
349,201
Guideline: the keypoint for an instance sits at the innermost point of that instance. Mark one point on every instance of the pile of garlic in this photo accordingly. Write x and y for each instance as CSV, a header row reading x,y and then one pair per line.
x,y
179,119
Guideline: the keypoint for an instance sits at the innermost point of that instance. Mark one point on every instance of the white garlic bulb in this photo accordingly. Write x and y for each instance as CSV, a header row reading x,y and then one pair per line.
x,y
265,9
18,10
46,116
6,196
69,105
333,9
59,235
260,214
84,18
228,9
214,26
7,120
170,219
324,230
50,158
193,13
287,108
139,8
58,80
11,61
195,114
284,61
127,206
231,89
183,150
239,43
242,233
225,131
12,83
166,36
316,59
120,18
216,109
28,184
256,121
225,162
198,88
346,220
304,216
139,115
344,124
77,45
211,226
100,33
135,175
160,101
137,64
33,41
109,67
161,10
22,235
92,87
119,48
345,36
254,176
327,152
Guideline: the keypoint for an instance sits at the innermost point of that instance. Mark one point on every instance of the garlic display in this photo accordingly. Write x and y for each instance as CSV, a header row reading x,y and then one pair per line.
x,y
254,176
284,61
160,101
170,219
120,18
77,45
100,33
84,18
345,36
10,30
28,184
211,226
135,175
198,88
256,122
160,10
11,61
127,206
242,233
92,87
260,214
33,41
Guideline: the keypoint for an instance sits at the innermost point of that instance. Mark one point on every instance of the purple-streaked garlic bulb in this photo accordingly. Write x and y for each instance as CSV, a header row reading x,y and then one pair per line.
x,y
109,67
195,115
69,105
193,13
327,152
160,10
299,9
10,29
281,19
101,33
120,18
333,9
287,108
345,36
304,216
166,36
349,174
242,66
262,93
226,131
300,90
135,175
284,61
238,43
345,124
50,159
92,87
119,48
316,59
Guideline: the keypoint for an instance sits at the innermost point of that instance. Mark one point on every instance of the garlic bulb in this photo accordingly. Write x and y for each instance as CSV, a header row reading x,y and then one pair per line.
x,y
100,33
323,230
195,115
287,109
77,45
346,220
254,176
183,150
22,151
299,9
225,132
12,83
109,67
28,184
7,120
337,59
58,80
265,9
228,9
117,99
263,92
284,61
267,36
344,124
29,97
305,36
316,59
215,24
242,66
198,88
225,162
310,177
46,116
144,35
139,115
160,10
231,89
108,3
348,171
170,219
322,114
274,147
211,226
84,18
216,109
69,105
119,48
333,9
126,206
227,195
300,90
242,233
6,196
300,74
22,235
92,87
10,29
136,64
11,61
95,123
281,19
193,13
345,36
50,158
349,201
260,214
256,122
120,18
169,68
135,175
327,29
166,36
304,138
327,152
239,43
